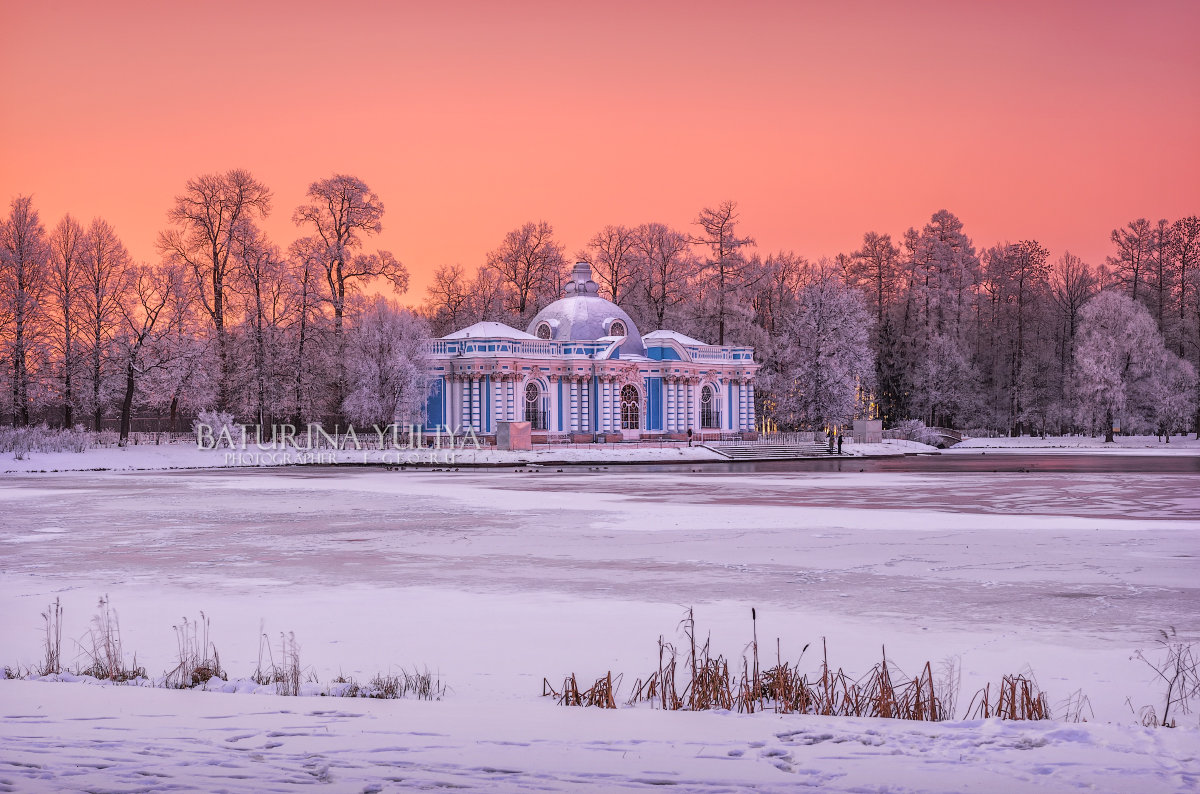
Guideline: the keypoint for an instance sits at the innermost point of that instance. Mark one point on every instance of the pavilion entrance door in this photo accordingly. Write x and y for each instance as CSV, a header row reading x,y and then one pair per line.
x,y
631,414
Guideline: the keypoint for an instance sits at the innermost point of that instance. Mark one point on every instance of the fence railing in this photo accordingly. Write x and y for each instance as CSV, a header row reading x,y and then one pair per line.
x,y
781,439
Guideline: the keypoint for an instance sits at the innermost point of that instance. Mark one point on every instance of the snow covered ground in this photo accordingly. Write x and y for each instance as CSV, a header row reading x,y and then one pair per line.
x,y
1125,445
496,579
189,456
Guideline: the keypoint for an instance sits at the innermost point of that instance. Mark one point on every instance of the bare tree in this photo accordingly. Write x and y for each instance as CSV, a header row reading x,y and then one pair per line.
x,y
144,325
258,279
1072,284
23,276
611,253
778,279
66,244
208,216
529,264
1187,276
341,211
1161,272
305,269
447,298
664,265
873,267
724,268
1133,244
104,262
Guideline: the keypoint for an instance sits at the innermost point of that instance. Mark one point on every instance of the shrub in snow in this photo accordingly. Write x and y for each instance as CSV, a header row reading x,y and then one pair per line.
x,y
915,430
386,369
106,656
220,424
197,655
23,441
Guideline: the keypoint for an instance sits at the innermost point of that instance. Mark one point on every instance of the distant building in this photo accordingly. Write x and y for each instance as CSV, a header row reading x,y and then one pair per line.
x,y
582,369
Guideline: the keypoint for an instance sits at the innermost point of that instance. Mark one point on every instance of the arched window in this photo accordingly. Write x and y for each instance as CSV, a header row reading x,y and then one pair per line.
x,y
710,415
617,328
631,410
535,415
542,331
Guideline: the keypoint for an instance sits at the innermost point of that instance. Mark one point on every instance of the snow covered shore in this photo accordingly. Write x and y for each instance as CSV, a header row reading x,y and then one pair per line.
x,y
1122,445
188,456
128,739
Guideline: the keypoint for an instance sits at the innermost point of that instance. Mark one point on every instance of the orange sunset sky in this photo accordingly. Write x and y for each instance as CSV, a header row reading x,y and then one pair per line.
x,y
1056,121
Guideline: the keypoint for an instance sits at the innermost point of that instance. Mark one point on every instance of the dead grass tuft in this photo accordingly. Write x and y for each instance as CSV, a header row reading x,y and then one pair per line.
x,y
105,650
1017,698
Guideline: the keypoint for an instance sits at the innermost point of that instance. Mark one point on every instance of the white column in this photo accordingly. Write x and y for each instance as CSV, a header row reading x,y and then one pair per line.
x,y
497,401
677,406
585,404
573,404
464,402
604,412
668,401
614,404
750,418
672,423
476,401
693,420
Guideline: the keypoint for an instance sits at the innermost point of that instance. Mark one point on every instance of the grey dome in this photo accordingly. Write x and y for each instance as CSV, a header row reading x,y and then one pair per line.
x,y
584,315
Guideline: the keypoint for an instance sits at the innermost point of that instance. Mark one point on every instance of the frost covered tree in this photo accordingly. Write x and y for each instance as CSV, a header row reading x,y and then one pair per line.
x,y
529,264
105,265
1017,275
1173,395
24,256
943,268
207,217
830,355
944,382
386,366
1119,359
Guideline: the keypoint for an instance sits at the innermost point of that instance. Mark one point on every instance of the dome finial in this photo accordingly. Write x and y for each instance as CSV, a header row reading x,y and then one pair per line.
x,y
581,281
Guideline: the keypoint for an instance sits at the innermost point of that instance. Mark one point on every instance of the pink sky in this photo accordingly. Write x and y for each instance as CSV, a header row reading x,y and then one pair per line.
x,y
1056,121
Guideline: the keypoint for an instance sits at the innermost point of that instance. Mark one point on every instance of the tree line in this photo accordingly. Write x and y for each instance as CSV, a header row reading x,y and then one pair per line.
x,y
926,326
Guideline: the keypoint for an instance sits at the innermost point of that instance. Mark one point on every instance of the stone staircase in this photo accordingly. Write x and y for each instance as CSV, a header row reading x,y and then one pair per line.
x,y
767,451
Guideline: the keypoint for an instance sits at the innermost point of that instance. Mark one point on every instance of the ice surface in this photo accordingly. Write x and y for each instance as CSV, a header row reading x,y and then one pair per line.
x,y
496,579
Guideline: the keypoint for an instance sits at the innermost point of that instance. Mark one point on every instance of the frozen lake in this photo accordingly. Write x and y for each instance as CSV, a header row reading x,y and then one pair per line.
x,y
498,578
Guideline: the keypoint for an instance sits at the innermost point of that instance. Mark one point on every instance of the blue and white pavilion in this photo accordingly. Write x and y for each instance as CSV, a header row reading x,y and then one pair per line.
x,y
583,369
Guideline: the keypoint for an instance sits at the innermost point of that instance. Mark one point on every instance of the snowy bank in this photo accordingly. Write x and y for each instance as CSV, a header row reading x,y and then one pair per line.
x,y
195,741
188,456
1122,445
